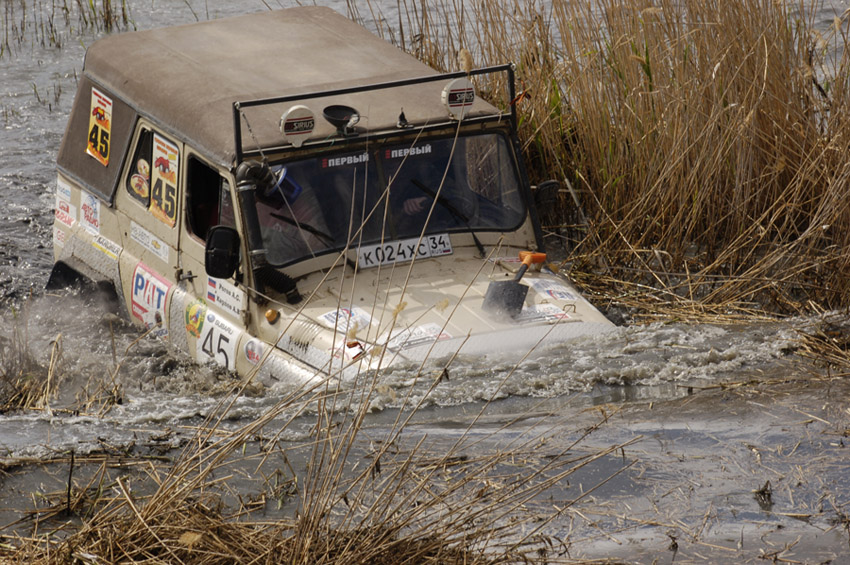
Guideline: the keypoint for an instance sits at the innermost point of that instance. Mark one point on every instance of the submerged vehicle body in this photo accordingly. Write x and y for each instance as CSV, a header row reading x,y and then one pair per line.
x,y
289,196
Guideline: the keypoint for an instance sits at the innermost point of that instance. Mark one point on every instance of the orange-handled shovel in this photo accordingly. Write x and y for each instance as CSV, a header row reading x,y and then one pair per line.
x,y
507,297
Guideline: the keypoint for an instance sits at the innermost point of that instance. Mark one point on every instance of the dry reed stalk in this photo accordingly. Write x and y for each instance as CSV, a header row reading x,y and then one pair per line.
x,y
437,522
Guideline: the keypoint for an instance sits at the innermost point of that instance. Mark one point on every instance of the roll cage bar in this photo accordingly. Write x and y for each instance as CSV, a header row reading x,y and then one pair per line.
x,y
238,106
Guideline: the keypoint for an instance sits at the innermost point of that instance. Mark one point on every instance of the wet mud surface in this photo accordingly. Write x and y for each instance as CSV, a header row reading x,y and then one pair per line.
x,y
741,473
753,472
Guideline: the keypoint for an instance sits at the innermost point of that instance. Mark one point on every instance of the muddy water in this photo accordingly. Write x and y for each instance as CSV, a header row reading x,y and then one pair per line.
x,y
689,486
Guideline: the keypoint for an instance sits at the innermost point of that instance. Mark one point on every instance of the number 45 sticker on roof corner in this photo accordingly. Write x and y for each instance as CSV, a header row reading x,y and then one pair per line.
x,y
100,126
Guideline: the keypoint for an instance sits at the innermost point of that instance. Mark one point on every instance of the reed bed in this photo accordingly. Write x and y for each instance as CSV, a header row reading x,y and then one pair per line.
x,y
701,148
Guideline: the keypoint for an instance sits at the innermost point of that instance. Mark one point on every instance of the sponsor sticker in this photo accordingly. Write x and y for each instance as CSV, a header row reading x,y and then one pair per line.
x,y
404,250
166,157
460,97
90,212
194,316
552,289
331,162
58,237
541,313
295,126
66,210
404,152
107,247
149,241
226,296
254,350
65,214
140,182
218,341
100,126
416,336
347,319
141,188
150,299
350,351
63,189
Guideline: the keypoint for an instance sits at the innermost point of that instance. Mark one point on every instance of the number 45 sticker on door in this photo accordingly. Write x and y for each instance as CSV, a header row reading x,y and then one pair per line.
x,y
166,159
218,342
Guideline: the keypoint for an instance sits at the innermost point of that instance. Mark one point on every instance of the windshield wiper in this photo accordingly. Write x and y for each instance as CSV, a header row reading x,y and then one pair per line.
x,y
458,215
306,227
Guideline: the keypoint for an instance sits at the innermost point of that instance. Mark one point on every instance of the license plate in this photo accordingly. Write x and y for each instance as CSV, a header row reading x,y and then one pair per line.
x,y
404,250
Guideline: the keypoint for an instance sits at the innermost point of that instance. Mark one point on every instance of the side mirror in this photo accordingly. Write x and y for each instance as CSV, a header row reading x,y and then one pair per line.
x,y
222,252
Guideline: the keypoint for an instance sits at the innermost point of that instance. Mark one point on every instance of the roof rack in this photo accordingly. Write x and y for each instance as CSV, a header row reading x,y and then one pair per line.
x,y
238,106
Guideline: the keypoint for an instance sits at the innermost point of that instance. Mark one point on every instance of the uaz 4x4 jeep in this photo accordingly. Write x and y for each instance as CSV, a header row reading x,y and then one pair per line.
x,y
289,196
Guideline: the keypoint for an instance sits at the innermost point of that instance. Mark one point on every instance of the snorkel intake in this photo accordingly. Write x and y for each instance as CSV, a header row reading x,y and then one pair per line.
x,y
251,176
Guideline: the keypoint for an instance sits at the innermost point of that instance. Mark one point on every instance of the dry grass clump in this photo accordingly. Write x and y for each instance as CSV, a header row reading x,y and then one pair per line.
x,y
30,378
25,384
827,344
198,533
702,148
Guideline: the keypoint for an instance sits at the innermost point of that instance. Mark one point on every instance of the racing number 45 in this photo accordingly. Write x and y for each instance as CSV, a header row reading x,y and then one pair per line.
x,y
165,199
99,140
221,347
217,342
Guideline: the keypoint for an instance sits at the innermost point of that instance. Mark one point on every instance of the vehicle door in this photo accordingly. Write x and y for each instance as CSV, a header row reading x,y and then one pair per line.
x,y
214,311
148,205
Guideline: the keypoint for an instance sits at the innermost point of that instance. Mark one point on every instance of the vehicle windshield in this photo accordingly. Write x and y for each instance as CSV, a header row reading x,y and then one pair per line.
x,y
389,192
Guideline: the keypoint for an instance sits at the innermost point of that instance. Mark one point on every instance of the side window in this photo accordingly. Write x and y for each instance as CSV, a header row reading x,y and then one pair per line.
x,y
208,199
139,181
154,175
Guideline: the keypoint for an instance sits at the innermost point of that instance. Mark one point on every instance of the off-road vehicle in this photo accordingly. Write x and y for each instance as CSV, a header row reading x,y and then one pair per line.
x,y
289,196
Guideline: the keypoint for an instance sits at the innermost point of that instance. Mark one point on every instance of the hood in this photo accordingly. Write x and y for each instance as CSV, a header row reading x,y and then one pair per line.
x,y
427,310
